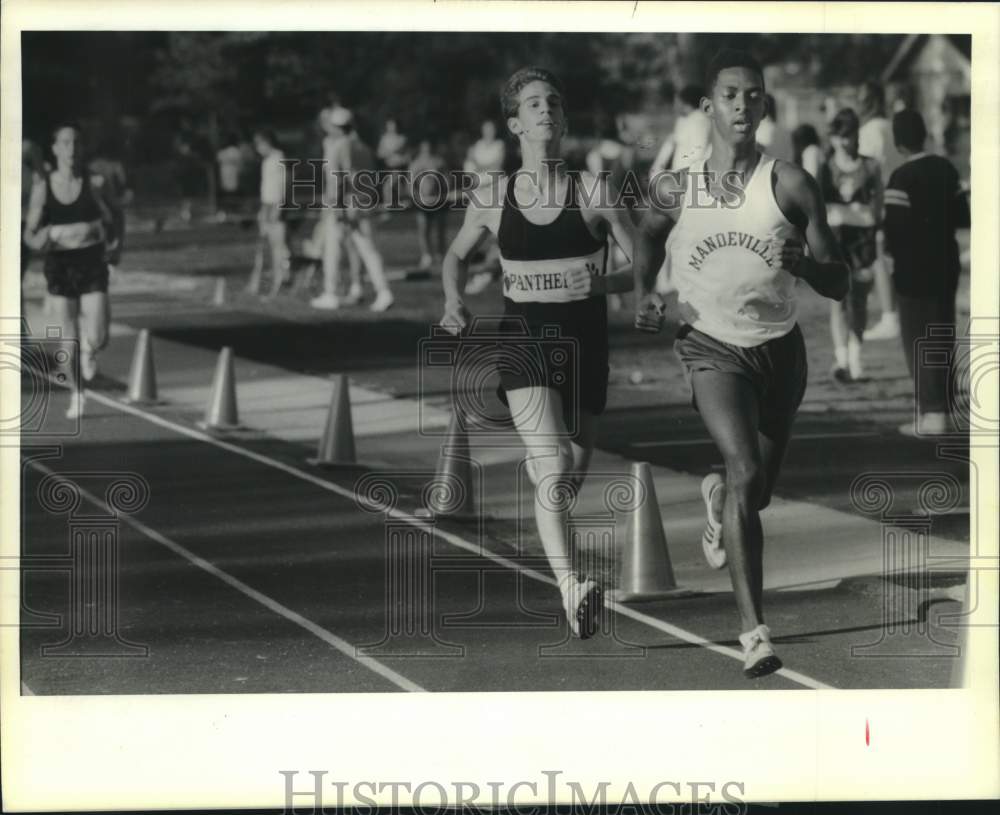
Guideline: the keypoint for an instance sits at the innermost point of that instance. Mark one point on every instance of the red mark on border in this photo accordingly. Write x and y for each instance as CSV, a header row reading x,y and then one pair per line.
x,y
867,738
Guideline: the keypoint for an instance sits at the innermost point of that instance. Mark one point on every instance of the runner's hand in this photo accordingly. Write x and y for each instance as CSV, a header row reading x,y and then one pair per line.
x,y
787,253
581,282
649,313
456,317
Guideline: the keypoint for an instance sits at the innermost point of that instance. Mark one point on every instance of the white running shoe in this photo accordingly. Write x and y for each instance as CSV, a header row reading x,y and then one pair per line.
x,y
711,538
88,362
929,424
887,328
76,403
354,294
327,301
582,602
478,283
383,301
759,658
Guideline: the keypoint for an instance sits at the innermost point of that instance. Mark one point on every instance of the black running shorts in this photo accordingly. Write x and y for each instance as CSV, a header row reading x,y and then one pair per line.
x,y
72,272
563,346
776,369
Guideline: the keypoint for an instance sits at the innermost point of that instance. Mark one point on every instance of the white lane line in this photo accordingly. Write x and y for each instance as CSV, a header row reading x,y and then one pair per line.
x,y
455,540
795,437
272,605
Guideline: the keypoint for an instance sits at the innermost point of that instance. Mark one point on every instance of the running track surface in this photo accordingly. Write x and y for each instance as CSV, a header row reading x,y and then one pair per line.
x,y
249,571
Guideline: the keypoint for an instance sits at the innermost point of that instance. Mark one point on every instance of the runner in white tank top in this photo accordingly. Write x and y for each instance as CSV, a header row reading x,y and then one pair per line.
x,y
736,252
728,283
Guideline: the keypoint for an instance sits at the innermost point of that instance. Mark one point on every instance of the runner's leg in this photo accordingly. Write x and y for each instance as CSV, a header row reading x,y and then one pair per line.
x,y
730,411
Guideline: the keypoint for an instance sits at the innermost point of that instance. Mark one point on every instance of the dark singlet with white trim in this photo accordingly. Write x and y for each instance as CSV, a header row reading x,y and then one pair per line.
x,y
535,258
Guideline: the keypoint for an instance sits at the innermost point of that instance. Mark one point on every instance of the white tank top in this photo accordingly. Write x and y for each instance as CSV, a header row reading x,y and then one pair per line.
x,y
721,264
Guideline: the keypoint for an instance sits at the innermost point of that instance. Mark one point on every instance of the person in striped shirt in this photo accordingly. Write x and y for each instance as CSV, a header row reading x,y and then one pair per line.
x,y
924,205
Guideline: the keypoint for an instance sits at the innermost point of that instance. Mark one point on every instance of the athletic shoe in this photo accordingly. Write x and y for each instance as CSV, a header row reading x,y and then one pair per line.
x,y
887,328
383,301
88,362
582,602
478,283
76,402
759,658
711,538
354,294
840,374
929,424
327,301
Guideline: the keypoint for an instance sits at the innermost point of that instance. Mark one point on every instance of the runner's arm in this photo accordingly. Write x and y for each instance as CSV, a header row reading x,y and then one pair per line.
x,y
824,269
35,235
617,225
455,266
651,235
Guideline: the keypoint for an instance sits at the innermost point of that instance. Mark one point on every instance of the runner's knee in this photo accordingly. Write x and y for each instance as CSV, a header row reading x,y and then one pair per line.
x,y
746,481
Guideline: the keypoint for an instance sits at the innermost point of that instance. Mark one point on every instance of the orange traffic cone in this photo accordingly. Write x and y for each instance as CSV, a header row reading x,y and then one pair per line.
x,y
645,573
337,444
142,375
450,494
219,296
221,414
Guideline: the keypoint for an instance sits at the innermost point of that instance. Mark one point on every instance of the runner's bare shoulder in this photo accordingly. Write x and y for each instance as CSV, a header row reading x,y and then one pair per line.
x,y
484,204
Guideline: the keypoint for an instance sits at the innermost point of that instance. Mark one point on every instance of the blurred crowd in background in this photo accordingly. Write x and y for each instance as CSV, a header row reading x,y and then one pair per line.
x,y
175,113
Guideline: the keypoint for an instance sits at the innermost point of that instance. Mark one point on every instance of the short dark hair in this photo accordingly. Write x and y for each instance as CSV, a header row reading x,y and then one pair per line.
x,y
845,123
876,94
730,58
266,135
518,80
909,130
64,124
691,95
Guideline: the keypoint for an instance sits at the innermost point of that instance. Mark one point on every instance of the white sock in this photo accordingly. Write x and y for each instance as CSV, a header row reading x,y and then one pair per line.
x,y
854,356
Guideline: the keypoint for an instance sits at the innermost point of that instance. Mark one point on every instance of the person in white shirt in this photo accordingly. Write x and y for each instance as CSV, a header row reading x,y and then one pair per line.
x,y
271,216
691,136
806,150
772,137
230,161
688,144
875,141
349,199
